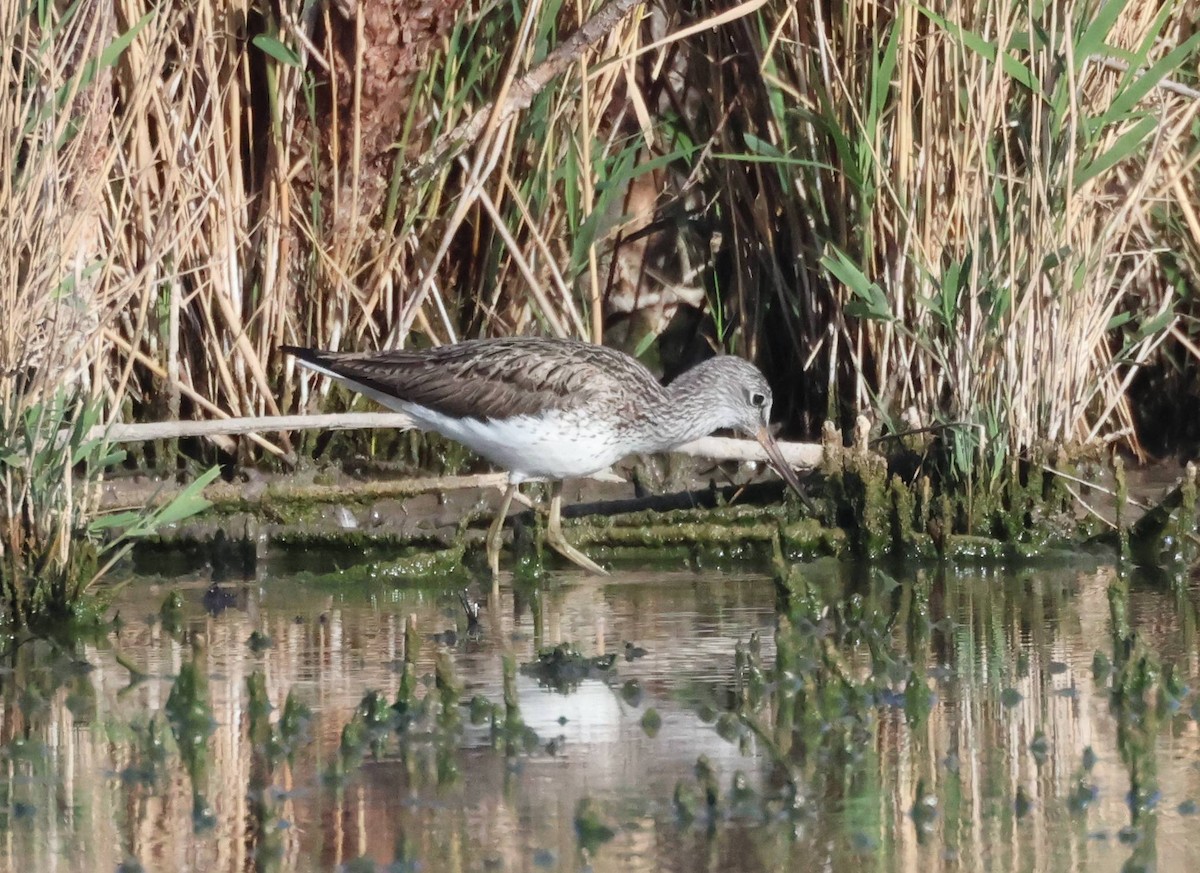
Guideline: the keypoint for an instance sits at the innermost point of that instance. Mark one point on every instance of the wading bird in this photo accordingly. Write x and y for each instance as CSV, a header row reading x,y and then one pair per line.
x,y
555,409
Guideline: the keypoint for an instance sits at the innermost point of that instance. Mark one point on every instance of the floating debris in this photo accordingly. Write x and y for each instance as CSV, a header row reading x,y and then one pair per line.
x,y
563,668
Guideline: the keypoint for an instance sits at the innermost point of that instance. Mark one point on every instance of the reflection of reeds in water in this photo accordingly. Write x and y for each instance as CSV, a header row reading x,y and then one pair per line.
x,y
1013,679
80,761
328,655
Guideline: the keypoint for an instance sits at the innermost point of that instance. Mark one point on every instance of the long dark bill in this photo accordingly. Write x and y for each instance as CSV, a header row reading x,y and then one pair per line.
x,y
782,467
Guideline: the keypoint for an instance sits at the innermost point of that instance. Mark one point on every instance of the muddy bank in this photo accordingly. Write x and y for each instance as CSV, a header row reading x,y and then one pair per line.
x,y
672,510
676,509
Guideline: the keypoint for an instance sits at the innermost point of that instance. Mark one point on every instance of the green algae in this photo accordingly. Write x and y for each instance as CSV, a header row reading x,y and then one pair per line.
x,y
512,707
651,722
413,566
269,746
866,512
192,723
1186,520
562,668
406,704
807,539
591,828
660,535
903,515
171,612
963,548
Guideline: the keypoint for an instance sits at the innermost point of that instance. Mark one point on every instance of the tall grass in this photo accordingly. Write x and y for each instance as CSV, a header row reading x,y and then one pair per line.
x,y
1012,220
977,216
80,260
993,189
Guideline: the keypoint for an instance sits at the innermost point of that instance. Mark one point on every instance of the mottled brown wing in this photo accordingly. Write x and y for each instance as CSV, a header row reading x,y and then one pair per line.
x,y
496,378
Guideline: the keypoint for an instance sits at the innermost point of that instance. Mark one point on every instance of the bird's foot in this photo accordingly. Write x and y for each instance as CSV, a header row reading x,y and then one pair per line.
x,y
556,541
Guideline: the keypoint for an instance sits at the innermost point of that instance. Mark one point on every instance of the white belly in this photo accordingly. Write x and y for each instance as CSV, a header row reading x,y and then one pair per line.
x,y
530,447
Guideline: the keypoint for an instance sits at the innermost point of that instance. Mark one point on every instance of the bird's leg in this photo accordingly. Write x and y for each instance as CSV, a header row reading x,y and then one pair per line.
x,y
558,542
493,537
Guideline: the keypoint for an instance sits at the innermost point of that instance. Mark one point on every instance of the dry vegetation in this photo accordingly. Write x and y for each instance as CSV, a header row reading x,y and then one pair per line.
x,y
980,217
225,180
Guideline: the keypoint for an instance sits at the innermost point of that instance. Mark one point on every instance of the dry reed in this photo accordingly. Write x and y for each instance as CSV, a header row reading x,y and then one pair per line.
x,y
874,207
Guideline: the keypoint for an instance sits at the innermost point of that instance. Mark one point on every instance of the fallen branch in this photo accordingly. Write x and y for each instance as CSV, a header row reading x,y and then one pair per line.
x,y
173,430
121,494
802,456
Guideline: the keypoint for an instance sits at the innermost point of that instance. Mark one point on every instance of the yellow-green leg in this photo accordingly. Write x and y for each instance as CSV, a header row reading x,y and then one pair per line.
x,y
558,542
493,537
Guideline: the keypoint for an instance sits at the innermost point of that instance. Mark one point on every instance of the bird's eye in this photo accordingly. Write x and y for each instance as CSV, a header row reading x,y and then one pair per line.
x,y
757,400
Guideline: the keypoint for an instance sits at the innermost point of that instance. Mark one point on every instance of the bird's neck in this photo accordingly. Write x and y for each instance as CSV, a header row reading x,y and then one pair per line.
x,y
681,413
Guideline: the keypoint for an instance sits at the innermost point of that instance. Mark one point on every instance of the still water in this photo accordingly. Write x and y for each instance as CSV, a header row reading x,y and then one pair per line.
x,y
1039,721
